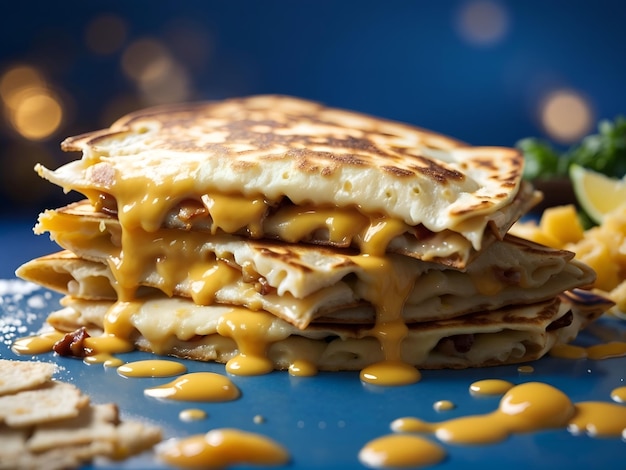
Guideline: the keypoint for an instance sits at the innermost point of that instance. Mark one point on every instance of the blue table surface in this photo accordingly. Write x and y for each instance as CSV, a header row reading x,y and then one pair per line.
x,y
324,420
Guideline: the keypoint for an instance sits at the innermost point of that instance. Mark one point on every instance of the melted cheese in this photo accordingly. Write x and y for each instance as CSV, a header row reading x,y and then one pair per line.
x,y
151,368
178,258
108,343
387,290
295,283
197,386
302,368
490,387
252,216
179,327
619,394
528,407
232,213
37,344
598,419
595,352
222,448
294,224
400,450
192,414
106,359
252,331
443,405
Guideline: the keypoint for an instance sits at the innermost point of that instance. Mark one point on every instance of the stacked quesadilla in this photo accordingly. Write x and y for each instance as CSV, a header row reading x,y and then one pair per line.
x,y
271,232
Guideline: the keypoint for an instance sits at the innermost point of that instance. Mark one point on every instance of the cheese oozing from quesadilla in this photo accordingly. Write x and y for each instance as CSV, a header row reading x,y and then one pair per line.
x,y
294,170
255,342
298,283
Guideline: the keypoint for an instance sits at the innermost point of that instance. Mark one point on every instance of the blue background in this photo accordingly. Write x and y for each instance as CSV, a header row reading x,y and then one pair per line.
x,y
398,59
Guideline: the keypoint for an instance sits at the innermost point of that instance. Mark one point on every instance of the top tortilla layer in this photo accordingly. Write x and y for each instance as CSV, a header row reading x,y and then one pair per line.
x,y
282,147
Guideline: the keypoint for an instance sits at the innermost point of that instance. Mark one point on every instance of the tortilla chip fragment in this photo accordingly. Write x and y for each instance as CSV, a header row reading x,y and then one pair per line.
x,y
16,376
50,402
52,425
96,422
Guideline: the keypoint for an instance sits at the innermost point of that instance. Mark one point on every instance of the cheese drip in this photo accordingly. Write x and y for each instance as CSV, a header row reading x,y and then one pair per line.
x,y
252,333
528,407
141,211
181,260
255,217
387,291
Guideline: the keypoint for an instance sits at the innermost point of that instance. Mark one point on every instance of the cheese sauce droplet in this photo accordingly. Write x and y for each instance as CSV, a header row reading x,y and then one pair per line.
x,y
221,448
106,359
596,352
490,387
390,373
151,368
607,350
36,344
197,386
619,394
107,343
192,414
598,419
525,369
568,351
302,368
443,405
401,450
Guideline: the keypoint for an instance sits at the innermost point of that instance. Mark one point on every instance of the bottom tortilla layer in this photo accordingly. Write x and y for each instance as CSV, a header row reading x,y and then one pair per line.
x,y
176,326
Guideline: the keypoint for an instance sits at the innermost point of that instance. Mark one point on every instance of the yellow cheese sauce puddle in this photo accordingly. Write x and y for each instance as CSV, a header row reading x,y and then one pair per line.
x,y
528,407
443,405
151,368
220,448
37,344
401,450
106,359
490,387
525,369
197,386
192,414
302,368
595,352
619,394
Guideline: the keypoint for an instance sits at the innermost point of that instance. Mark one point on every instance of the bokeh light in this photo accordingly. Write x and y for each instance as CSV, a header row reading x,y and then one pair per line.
x,y
566,116
19,80
38,115
482,22
167,88
31,108
158,76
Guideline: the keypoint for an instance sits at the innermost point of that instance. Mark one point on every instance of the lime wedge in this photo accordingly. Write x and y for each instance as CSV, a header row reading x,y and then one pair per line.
x,y
596,193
